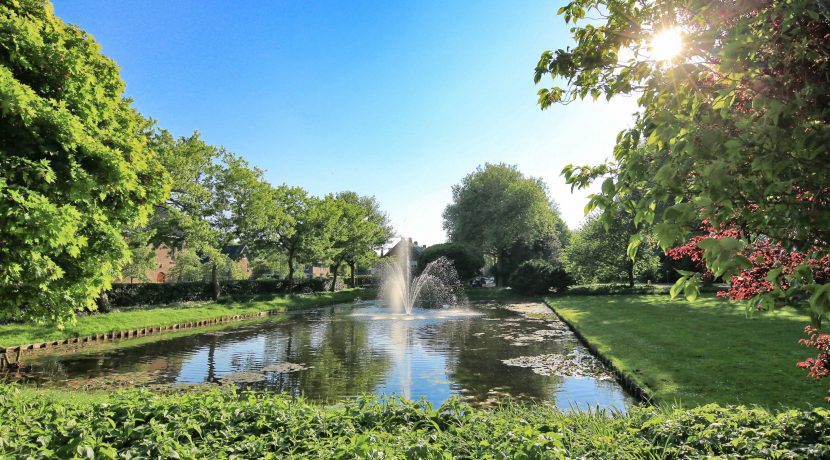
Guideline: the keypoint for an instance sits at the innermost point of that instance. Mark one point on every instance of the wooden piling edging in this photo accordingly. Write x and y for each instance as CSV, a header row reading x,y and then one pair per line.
x,y
631,386
7,357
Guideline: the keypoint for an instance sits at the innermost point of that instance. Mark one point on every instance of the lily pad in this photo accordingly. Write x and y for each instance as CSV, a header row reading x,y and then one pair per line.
x,y
243,377
283,367
577,363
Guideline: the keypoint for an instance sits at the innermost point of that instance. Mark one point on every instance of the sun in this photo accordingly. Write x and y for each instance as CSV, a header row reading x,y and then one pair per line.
x,y
666,44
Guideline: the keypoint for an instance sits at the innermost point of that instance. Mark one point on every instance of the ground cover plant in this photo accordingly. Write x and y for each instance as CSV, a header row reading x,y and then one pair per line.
x,y
698,352
25,333
220,423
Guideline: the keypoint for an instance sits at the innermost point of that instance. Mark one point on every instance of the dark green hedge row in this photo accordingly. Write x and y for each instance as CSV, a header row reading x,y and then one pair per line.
x,y
126,295
613,289
362,281
220,423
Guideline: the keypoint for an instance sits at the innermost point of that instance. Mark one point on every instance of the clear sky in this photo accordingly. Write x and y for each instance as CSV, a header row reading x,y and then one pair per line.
x,y
394,99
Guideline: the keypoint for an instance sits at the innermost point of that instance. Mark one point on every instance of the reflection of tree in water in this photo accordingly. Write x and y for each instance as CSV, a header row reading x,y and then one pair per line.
x,y
343,364
475,352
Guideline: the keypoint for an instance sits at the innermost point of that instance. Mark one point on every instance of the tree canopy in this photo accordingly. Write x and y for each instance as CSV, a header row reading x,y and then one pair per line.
x,y
496,207
75,167
732,130
596,254
215,196
360,227
467,261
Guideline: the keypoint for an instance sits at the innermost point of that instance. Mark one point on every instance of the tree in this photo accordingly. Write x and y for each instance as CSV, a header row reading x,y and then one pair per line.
x,y
75,168
736,124
142,255
188,266
467,261
496,207
296,224
270,264
597,254
215,196
360,227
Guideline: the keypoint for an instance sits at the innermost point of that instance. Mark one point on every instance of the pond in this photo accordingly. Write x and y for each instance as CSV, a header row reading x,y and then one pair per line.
x,y
484,354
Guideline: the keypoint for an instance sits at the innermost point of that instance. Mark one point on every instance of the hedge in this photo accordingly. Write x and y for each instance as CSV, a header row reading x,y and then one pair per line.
x,y
126,295
623,289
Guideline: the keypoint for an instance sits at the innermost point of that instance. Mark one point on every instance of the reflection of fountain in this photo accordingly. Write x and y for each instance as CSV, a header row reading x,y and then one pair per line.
x,y
438,285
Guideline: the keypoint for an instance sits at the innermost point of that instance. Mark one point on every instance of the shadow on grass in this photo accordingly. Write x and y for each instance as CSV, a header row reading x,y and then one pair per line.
x,y
696,353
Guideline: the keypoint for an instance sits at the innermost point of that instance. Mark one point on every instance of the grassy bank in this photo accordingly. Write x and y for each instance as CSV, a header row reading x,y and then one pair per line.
x,y
701,352
20,334
218,423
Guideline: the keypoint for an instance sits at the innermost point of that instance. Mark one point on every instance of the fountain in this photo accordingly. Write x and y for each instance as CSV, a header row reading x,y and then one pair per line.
x,y
437,286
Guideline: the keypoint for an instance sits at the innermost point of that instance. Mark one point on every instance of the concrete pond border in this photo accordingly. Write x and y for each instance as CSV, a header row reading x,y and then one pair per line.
x,y
628,383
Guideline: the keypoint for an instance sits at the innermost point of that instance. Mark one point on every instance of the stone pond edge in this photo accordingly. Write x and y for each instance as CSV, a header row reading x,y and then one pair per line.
x,y
628,383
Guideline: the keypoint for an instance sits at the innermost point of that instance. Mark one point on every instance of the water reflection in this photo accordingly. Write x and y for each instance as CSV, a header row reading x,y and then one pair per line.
x,y
344,351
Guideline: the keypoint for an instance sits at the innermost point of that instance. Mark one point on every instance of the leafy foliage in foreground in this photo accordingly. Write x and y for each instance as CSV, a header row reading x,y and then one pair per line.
x,y
220,423
75,168
733,130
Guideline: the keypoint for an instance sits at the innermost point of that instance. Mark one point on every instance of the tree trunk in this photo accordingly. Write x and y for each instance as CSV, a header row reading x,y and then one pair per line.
x,y
335,268
103,302
352,267
214,280
630,271
289,285
498,275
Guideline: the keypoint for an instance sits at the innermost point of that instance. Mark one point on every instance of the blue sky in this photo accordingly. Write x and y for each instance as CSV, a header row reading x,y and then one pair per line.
x,y
399,100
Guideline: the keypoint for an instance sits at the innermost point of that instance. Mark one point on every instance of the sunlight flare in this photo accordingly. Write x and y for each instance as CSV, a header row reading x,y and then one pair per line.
x,y
666,44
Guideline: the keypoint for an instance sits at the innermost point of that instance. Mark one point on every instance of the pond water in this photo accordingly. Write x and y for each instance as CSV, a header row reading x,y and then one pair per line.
x,y
484,354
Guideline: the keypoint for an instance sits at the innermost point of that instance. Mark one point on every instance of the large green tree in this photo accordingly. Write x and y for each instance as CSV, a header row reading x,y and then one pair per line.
x,y
495,208
359,228
75,168
296,224
737,123
215,196
598,254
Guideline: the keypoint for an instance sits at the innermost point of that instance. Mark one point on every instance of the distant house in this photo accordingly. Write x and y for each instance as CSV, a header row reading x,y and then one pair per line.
x,y
165,261
317,270
415,251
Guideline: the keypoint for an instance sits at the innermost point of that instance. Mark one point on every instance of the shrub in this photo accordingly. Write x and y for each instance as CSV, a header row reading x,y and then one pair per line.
x,y
466,260
536,276
215,423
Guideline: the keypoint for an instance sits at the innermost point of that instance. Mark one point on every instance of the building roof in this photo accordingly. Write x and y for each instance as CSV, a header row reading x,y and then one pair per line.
x,y
415,249
235,251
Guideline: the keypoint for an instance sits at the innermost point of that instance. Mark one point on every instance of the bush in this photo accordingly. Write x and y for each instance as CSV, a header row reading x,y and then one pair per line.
x,y
466,260
362,281
215,423
536,276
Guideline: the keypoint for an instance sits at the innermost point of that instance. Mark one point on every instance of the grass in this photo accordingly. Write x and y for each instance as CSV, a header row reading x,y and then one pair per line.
x,y
221,423
701,352
21,334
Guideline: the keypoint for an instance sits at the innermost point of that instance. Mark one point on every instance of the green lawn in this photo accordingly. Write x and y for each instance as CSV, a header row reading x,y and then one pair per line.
x,y
21,334
701,352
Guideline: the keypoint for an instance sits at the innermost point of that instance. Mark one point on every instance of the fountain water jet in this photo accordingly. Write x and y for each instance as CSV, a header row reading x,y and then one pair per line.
x,y
437,286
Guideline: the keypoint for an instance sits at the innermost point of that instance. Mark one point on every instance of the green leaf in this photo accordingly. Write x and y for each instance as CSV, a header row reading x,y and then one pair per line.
x,y
633,244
